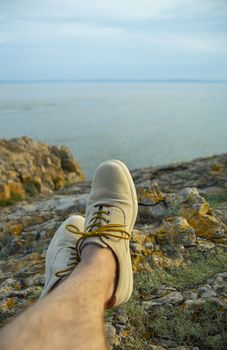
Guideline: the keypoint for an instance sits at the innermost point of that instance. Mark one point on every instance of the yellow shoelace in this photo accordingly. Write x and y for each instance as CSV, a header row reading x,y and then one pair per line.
x,y
103,230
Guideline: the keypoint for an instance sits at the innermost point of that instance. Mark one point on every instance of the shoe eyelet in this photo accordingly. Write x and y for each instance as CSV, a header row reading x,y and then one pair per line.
x,y
108,221
108,213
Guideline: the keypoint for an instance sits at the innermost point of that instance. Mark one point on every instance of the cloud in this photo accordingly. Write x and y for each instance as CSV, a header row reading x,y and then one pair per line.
x,y
135,31
118,36
127,9
2,40
108,19
112,10
193,43
90,30
199,44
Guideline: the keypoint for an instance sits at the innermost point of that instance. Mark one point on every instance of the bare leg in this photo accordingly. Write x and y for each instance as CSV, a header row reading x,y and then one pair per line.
x,y
71,316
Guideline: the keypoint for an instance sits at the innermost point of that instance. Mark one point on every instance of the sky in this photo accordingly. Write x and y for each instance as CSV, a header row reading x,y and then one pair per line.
x,y
113,39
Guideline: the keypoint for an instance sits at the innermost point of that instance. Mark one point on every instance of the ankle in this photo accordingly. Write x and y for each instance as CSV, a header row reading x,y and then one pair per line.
x,y
104,262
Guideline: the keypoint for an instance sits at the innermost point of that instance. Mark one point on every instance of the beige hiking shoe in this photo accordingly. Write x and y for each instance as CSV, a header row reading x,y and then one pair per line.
x,y
62,257
111,213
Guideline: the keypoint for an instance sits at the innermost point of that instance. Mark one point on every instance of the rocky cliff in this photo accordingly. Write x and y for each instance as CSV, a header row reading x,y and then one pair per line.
x,y
178,250
28,167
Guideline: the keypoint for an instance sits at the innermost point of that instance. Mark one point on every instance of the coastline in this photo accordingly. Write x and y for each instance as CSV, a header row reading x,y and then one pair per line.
x,y
178,246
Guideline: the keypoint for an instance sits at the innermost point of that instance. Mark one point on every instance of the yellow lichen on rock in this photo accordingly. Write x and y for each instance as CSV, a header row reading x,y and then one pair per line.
x,y
15,229
10,303
138,236
162,246
140,263
175,231
150,193
16,188
29,167
202,219
217,168
159,259
4,191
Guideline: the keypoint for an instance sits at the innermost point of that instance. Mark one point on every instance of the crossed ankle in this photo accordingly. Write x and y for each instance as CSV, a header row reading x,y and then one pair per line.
x,y
104,263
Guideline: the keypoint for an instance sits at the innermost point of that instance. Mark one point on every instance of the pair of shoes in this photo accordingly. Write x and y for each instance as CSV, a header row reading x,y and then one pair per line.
x,y
111,213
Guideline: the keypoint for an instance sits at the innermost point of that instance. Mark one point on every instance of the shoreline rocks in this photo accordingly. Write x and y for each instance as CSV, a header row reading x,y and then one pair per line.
x,y
174,222
28,167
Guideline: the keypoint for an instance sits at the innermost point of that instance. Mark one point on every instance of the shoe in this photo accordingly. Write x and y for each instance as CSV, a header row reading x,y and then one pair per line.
x,y
61,257
111,213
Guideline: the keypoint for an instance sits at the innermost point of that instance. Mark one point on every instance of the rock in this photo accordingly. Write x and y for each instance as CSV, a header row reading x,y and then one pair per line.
x,y
175,231
204,245
194,216
15,228
198,173
190,295
4,191
170,228
156,347
197,304
221,214
194,303
150,194
165,343
206,292
190,196
162,291
164,244
166,259
198,213
16,188
152,213
219,283
178,348
9,285
28,167
112,337
173,298
189,205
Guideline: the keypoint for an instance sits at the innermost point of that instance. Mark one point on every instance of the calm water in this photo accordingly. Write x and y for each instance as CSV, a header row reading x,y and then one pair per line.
x,y
140,123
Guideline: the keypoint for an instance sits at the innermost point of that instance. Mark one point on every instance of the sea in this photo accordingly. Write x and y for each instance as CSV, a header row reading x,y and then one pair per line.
x,y
141,123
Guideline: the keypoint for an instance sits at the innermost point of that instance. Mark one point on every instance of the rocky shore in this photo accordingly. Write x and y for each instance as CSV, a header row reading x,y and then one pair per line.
x,y
28,167
178,245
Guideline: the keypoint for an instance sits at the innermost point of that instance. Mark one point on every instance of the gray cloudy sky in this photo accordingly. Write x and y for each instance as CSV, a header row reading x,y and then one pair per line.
x,y
118,39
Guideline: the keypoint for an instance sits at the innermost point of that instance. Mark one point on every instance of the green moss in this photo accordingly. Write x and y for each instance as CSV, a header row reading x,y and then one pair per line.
x,y
57,181
32,188
197,271
217,200
204,326
68,184
137,336
6,247
15,197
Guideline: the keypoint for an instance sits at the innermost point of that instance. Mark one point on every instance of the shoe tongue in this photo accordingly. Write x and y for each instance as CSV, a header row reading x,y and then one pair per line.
x,y
116,216
95,240
98,220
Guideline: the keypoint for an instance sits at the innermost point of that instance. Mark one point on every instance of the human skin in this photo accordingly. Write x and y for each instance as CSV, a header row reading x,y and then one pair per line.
x,y
71,316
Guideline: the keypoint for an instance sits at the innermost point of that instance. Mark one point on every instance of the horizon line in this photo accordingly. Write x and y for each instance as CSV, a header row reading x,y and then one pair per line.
x,y
111,80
